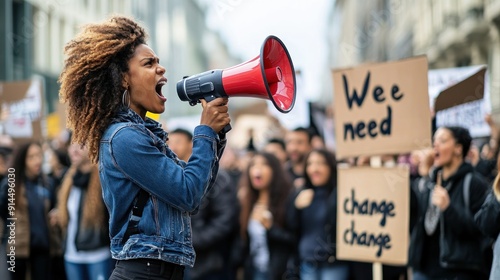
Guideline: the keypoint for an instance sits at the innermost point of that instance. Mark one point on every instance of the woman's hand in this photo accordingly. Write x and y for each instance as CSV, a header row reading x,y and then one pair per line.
x,y
440,197
215,113
263,215
54,217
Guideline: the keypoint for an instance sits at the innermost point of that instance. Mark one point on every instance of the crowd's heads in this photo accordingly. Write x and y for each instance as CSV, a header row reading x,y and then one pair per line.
x,y
92,77
28,160
276,146
298,144
181,142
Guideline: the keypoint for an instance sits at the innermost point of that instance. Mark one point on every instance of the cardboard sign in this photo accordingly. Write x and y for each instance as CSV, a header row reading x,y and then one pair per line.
x,y
469,115
382,108
463,89
373,214
470,89
22,103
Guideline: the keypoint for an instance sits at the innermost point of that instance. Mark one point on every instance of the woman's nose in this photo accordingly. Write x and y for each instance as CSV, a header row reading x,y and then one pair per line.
x,y
161,70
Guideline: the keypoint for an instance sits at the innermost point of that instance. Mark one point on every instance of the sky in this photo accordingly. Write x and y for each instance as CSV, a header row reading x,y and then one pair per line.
x,y
301,25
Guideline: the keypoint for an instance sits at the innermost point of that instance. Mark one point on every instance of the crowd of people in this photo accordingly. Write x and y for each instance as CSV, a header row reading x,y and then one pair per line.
x,y
270,215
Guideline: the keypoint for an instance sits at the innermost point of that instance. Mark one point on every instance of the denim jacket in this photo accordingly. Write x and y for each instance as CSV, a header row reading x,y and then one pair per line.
x,y
133,156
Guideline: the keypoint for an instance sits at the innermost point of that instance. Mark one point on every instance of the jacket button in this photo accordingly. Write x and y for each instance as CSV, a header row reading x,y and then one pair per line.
x,y
331,259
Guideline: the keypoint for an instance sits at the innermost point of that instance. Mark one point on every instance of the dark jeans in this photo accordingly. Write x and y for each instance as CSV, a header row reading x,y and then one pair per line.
x,y
136,269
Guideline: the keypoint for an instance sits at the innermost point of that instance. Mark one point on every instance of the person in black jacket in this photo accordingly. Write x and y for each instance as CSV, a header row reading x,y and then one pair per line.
x,y
214,226
313,217
488,220
445,242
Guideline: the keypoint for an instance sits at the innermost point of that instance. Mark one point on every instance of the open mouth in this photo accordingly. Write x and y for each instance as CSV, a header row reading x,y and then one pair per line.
x,y
159,85
436,155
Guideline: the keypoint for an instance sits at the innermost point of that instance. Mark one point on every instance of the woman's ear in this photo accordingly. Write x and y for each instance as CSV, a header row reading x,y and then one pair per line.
x,y
125,83
458,150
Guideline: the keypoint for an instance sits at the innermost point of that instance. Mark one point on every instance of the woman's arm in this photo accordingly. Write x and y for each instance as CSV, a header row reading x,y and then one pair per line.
x,y
135,155
488,217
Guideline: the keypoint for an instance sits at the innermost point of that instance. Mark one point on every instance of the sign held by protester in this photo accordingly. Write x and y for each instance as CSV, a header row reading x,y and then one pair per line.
x,y
372,214
460,98
382,108
22,106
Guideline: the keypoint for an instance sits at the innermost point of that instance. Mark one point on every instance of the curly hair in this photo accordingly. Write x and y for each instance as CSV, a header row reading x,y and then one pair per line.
x,y
91,80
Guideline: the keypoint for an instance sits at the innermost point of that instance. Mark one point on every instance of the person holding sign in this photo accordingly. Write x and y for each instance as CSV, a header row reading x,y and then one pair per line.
x,y
445,242
313,218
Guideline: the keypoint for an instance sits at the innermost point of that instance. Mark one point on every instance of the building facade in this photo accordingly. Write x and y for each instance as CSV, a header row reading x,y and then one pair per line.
x,y
33,34
452,33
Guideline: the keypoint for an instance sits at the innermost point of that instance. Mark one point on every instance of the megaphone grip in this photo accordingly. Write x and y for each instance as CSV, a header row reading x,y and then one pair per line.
x,y
226,129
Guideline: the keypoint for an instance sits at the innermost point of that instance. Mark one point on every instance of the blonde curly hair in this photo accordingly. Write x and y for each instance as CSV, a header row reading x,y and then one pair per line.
x,y
91,80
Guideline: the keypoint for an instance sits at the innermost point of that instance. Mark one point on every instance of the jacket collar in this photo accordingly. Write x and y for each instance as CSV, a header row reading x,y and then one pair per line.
x,y
460,173
128,115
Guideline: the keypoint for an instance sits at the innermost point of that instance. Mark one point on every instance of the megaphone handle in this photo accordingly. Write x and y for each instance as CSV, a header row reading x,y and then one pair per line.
x,y
228,127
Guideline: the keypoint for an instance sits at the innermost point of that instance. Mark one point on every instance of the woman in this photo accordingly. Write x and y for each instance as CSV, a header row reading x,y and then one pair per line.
x,y
83,220
445,242
263,197
32,199
314,218
111,78
488,220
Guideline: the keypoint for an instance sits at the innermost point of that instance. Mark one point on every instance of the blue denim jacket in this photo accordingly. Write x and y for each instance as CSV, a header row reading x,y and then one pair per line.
x,y
133,155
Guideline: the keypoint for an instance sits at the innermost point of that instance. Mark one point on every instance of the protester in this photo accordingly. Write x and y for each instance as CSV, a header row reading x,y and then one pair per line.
x,y
33,199
111,78
298,145
488,220
276,146
314,219
445,242
180,141
215,225
83,218
267,241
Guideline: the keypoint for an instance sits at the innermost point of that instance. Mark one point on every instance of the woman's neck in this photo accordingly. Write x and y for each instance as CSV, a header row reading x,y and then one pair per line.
x,y
263,197
85,167
451,168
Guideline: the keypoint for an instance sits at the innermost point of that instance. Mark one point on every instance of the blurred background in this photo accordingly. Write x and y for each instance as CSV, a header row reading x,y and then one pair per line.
x,y
192,36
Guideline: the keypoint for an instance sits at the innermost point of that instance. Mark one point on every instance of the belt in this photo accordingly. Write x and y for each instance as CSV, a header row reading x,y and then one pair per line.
x,y
157,267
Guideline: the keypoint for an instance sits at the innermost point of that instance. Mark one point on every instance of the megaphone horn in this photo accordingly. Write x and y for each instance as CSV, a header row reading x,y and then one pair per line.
x,y
268,76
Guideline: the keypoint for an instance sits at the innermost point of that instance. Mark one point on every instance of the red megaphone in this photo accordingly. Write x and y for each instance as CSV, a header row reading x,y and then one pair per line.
x,y
268,76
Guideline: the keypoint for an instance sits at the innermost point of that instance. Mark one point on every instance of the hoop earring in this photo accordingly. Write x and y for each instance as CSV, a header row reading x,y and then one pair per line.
x,y
124,97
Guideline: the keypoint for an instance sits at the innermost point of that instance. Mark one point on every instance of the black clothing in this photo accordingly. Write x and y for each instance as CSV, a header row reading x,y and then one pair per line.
x,y
214,227
328,229
454,250
39,231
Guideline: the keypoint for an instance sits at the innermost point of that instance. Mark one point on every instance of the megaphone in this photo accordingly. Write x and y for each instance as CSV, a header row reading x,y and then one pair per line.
x,y
268,76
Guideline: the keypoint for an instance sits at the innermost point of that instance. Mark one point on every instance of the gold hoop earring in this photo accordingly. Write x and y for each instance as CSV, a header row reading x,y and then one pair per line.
x,y
126,96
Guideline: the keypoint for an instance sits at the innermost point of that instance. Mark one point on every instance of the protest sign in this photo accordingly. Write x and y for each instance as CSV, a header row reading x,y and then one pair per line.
x,y
22,103
382,108
372,214
460,98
